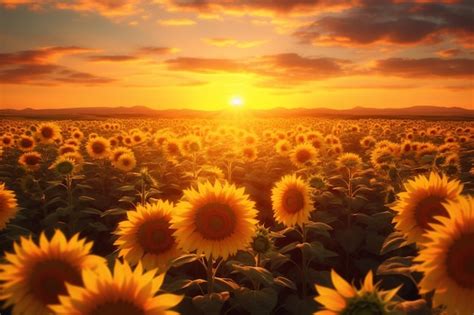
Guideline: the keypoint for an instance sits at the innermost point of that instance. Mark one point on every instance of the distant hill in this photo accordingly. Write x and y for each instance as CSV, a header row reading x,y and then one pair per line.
x,y
143,111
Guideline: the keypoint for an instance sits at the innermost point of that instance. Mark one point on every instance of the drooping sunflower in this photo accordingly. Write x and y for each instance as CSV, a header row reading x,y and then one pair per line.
x,y
422,202
146,235
351,161
98,148
126,162
216,220
303,155
48,132
291,201
345,299
447,259
26,143
7,141
34,275
30,160
67,148
64,166
172,149
126,291
8,206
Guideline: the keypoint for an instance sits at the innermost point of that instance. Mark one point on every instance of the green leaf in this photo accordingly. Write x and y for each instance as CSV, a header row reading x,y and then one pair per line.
x,y
86,198
394,241
184,259
257,302
112,212
285,282
350,238
257,274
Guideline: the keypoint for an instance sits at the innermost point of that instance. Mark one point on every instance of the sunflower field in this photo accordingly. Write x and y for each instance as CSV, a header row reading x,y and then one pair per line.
x,y
263,216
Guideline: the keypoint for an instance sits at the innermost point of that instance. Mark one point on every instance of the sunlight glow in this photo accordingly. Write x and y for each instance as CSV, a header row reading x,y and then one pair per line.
x,y
236,101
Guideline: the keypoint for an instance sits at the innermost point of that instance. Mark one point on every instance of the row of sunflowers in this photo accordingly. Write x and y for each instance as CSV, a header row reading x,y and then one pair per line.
x,y
266,216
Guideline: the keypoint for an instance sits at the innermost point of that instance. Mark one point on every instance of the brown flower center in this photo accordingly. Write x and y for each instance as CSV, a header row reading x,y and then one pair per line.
x,y
47,132
293,200
303,156
47,279
119,307
460,261
215,221
427,209
155,236
98,147
32,160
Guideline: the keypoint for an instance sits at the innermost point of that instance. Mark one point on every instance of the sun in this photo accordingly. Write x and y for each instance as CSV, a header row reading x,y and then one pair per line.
x,y
236,101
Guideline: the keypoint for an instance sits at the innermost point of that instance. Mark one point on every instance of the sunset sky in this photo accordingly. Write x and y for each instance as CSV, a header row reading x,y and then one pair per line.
x,y
202,53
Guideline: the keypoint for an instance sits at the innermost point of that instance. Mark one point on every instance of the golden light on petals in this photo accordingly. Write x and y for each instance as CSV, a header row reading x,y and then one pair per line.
x,y
125,291
447,259
146,235
291,200
98,148
36,274
8,205
216,219
422,202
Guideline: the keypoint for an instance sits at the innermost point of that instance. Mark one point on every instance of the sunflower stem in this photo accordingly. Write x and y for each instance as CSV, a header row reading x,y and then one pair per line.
x,y
303,264
210,276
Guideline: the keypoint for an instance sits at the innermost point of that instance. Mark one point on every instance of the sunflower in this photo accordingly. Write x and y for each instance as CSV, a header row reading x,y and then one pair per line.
x,y
172,149
26,143
216,220
126,291
66,148
7,141
8,206
447,259
146,235
30,160
34,275
78,135
422,201
291,201
98,148
345,299
64,166
48,132
126,162
303,155
283,147
249,153
351,161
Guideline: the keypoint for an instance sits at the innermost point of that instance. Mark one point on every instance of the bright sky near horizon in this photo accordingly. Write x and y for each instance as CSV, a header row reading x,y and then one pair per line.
x,y
209,54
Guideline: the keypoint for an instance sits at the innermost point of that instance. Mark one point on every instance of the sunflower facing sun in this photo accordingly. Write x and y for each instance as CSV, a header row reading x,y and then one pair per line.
x,y
34,275
216,220
422,201
291,199
126,291
447,260
146,235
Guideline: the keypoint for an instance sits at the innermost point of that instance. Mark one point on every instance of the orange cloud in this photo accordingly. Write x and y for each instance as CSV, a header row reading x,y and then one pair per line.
x,y
230,42
449,52
40,55
142,53
109,8
176,22
425,67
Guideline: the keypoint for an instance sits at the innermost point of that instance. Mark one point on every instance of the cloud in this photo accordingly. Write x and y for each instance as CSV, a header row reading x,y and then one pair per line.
x,y
425,67
37,67
143,53
254,6
155,50
112,58
176,22
230,42
449,52
391,22
48,74
40,55
108,8
287,69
